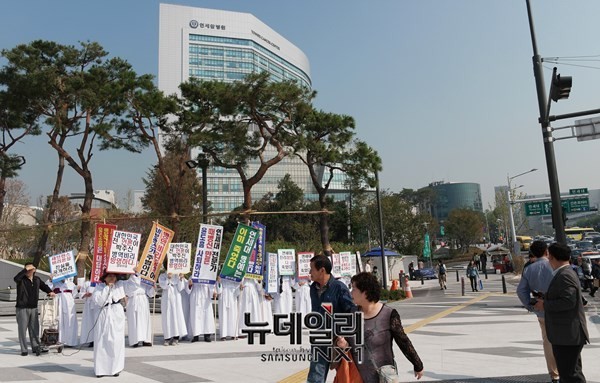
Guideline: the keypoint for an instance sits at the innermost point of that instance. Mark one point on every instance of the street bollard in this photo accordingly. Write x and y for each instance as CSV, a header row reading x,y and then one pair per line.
x,y
503,285
422,281
462,286
401,278
457,276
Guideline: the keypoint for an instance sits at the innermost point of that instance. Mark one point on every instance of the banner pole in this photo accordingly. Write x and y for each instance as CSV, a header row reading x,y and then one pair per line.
x,y
214,311
153,314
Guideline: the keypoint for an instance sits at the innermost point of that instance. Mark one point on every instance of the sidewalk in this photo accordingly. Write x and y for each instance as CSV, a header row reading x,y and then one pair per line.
x,y
478,337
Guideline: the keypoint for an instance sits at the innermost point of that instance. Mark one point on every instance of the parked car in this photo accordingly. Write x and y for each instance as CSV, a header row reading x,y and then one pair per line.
x,y
426,273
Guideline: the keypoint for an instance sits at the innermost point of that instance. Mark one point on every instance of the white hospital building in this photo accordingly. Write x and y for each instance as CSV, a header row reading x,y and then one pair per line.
x,y
221,45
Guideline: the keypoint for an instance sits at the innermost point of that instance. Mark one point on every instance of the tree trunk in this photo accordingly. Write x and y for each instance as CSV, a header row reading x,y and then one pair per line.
x,y
324,225
86,224
48,213
2,195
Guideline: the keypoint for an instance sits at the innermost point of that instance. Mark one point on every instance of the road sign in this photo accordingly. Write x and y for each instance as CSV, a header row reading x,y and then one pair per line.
x,y
578,191
572,205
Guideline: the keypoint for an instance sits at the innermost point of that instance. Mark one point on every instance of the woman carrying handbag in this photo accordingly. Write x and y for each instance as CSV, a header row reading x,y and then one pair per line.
x,y
381,328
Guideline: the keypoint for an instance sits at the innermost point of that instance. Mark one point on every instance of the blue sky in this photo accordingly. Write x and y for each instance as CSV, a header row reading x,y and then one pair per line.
x,y
444,90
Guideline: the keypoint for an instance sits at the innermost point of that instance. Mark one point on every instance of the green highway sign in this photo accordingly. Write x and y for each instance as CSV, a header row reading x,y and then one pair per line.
x,y
572,205
578,191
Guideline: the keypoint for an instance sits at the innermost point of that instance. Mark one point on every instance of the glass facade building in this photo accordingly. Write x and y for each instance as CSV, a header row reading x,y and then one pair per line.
x,y
454,195
226,46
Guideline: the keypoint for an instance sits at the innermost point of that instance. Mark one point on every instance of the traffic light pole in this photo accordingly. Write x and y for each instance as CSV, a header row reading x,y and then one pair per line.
x,y
544,107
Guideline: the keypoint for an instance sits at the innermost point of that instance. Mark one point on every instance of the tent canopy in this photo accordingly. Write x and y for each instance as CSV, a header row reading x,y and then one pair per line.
x,y
376,252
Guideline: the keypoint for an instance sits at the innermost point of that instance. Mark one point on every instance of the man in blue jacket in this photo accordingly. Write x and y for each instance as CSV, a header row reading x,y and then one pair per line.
x,y
326,289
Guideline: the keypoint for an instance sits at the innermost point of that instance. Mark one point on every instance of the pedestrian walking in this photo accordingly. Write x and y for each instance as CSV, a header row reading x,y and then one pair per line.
x,y
28,290
473,275
533,284
565,318
441,270
326,289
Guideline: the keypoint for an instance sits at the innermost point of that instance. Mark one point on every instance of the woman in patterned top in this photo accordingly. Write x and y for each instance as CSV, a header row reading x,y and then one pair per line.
x,y
382,325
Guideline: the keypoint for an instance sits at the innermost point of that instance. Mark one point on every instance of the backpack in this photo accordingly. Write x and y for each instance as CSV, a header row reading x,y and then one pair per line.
x,y
442,269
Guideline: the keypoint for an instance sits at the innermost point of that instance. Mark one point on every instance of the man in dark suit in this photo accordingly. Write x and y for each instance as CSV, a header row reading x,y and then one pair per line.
x,y
565,319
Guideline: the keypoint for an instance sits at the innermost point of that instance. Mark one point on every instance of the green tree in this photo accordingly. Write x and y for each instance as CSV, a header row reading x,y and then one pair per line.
x,y
184,198
248,120
404,226
81,94
18,119
465,227
326,145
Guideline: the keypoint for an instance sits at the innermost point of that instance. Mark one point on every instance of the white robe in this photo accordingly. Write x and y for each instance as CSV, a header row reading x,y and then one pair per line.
x,y
65,309
284,301
303,303
185,306
139,322
228,307
90,313
109,333
267,308
173,321
249,303
202,316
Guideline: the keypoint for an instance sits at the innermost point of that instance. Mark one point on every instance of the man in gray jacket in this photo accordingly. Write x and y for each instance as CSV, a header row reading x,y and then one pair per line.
x,y
565,318
534,282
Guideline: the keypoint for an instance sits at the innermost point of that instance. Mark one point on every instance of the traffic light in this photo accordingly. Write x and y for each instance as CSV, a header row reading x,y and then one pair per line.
x,y
560,87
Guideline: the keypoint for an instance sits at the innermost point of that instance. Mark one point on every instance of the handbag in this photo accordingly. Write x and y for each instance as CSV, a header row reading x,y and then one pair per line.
x,y
388,374
347,372
596,282
480,284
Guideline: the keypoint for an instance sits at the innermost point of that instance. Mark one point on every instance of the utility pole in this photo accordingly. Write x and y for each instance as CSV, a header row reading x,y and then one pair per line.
x,y
544,107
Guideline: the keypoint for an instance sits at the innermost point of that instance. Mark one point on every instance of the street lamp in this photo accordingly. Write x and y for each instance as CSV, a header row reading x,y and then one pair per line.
x,y
202,161
516,247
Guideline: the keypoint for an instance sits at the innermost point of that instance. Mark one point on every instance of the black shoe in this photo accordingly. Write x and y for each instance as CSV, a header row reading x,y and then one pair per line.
x,y
117,374
136,345
195,339
445,288
37,351
585,302
207,338
24,354
146,344
592,295
555,380
91,344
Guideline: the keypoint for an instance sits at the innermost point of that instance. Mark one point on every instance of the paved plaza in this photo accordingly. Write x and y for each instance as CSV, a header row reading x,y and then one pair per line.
x,y
479,337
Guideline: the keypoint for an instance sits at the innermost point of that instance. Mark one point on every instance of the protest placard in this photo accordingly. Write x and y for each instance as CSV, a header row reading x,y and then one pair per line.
x,y
336,267
124,249
286,261
62,266
208,249
346,261
255,266
272,276
178,257
102,235
154,252
239,253
304,264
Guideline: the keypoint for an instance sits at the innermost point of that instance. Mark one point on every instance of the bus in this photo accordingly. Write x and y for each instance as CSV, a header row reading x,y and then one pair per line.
x,y
576,233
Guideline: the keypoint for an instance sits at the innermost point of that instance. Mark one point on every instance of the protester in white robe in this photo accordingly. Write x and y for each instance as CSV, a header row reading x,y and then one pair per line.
x,y
68,333
250,302
139,322
90,313
202,316
228,292
267,309
283,301
185,306
303,302
173,321
109,333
